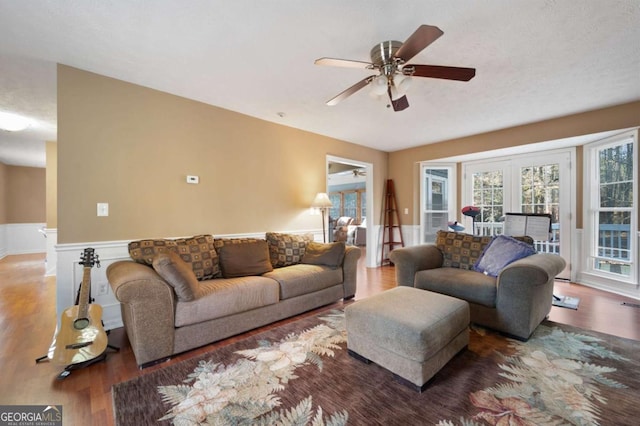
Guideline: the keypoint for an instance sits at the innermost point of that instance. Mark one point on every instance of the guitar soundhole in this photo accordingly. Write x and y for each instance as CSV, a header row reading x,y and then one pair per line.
x,y
81,323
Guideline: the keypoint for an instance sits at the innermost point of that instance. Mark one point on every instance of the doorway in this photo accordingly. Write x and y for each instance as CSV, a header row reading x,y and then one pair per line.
x,y
350,188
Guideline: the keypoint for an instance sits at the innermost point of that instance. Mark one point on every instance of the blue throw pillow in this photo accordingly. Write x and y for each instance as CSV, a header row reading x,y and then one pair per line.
x,y
500,252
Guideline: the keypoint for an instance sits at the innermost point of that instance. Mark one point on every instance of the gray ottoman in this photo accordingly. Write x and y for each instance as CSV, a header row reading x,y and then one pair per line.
x,y
411,332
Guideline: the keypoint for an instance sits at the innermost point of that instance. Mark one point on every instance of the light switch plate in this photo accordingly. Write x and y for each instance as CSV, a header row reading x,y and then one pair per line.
x,y
103,209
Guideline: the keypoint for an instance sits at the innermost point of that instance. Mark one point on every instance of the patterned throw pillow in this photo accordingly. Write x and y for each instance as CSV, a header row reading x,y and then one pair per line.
x,y
287,249
199,252
460,250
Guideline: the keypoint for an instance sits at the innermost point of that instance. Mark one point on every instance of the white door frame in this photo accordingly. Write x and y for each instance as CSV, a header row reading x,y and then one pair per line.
x,y
372,248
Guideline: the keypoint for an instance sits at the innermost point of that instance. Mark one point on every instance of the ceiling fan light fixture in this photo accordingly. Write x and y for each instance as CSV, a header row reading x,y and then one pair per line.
x,y
13,122
379,86
402,83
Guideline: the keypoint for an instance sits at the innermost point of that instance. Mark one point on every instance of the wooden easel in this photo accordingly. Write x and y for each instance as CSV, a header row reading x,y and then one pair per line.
x,y
391,223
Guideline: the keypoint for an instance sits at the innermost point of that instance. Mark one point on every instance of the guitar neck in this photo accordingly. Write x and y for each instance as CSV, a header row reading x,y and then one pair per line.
x,y
83,299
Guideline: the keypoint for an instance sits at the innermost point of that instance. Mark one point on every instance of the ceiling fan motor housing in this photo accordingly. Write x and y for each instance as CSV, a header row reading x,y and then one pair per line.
x,y
383,56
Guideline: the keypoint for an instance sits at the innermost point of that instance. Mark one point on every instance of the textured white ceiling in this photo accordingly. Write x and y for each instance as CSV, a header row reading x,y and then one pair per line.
x,y
535,59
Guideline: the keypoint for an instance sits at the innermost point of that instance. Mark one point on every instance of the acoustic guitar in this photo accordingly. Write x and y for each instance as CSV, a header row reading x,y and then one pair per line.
x,y
81,336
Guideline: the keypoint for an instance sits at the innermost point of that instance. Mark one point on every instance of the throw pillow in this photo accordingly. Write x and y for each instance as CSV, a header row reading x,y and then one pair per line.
x,y
286,249
460,250
330,254
178,274
501,252
244,259
199,252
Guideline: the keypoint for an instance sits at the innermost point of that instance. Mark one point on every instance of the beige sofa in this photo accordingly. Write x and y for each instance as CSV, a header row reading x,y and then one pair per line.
x,y
177,295
514,302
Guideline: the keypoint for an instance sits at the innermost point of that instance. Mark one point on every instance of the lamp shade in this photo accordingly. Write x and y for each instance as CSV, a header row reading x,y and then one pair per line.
x,y
322,201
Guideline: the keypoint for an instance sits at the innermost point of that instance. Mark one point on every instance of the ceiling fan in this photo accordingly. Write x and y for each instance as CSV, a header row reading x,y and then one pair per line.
x,y
389,59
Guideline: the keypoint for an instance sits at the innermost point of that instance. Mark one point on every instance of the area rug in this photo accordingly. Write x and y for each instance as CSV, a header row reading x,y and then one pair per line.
x,y
300,374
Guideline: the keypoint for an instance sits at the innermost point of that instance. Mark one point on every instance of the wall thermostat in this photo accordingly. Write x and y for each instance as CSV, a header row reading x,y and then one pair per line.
x,y
193,179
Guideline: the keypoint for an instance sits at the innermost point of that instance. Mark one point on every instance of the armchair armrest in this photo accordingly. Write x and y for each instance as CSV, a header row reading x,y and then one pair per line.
x,y
148,308
409,260
525,291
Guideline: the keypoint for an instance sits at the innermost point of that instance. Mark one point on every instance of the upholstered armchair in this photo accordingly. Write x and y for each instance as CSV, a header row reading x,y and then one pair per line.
x,y
514,301
341,230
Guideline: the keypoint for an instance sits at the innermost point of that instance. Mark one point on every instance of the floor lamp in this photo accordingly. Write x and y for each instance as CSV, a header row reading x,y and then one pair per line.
x,y
323,203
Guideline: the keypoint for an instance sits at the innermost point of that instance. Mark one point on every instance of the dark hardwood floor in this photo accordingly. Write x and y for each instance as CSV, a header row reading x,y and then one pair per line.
x,y
28,318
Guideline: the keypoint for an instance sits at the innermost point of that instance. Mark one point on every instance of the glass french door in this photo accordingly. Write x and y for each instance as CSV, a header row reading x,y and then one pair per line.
x,y
525,184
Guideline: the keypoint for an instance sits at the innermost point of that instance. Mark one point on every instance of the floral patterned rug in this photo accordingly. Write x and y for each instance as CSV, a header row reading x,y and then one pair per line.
x,y
300,374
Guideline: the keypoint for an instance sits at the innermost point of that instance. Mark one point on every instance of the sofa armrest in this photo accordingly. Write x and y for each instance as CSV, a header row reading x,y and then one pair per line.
x,y
350,271
525,291
409,260
148,309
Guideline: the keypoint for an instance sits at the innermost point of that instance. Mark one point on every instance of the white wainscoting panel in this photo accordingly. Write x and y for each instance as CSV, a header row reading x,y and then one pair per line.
x,y
69,273
52,255
3,241
25,238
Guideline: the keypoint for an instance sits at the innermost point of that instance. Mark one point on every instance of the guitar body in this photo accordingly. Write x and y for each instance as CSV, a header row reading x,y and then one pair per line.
x,y
81,337
73,345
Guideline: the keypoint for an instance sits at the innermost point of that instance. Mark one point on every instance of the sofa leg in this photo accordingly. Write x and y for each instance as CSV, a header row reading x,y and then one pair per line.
x,y
152,363
358,356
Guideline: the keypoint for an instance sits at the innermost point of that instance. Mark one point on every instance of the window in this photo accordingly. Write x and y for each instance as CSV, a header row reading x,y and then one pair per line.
x,y
529,183
350,203
488,195
437,199
612,217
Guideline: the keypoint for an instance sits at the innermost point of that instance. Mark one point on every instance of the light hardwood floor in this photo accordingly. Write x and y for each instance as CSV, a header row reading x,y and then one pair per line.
x,y
27,325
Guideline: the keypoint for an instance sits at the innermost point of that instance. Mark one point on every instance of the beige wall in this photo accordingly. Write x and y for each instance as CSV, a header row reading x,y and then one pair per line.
x,y
24,195
3,192
52,184
403,165
133,147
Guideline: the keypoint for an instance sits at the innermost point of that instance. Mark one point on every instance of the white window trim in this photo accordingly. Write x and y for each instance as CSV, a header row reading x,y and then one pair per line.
x,y
590,274
451,188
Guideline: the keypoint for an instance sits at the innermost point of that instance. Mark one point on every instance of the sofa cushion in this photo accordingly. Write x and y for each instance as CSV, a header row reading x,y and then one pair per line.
x,y
500,252
460,250
178,274
299,279
198,252
286,249
330,254
472,286
244,259
221,297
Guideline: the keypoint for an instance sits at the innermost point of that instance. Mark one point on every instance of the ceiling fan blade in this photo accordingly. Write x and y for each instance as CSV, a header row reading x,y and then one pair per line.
x,y
421,38
438,71
350,91
399,104
343,63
